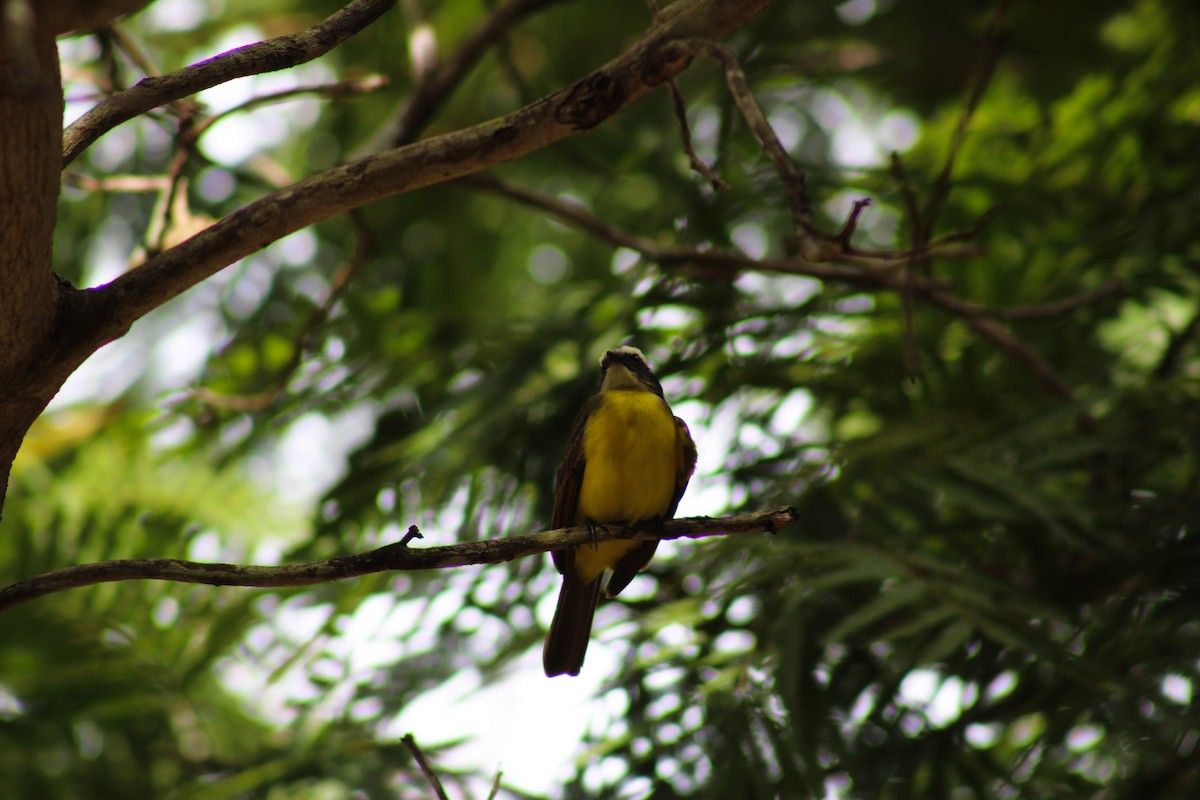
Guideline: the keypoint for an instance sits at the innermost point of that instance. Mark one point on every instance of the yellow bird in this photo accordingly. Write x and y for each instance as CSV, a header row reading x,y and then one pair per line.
x,y
628,461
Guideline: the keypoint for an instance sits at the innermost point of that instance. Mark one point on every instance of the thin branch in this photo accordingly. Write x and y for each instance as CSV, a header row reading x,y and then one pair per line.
x,y
869,271
1023,353
569,212
698,165
337,285
1054,308
504,57
397,556
495,791
873,274
1173,354
437,84
132,50
336,90
908,195
812,244
876,276
985,68
794,184
271,55
173,203
426,768
970,233
117,183
848,228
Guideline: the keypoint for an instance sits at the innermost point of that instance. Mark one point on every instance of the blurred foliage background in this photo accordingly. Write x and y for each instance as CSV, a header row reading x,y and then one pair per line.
x,y
992,589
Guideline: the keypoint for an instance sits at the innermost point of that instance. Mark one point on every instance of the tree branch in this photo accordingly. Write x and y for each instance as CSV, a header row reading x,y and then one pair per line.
x,y
272,55
426,768
985,68
794,184
658,56
342,276
397,556
685,135
872,273
31,106
437,84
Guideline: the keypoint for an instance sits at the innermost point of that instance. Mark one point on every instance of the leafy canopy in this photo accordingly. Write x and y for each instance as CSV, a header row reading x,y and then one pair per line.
x,y
990,591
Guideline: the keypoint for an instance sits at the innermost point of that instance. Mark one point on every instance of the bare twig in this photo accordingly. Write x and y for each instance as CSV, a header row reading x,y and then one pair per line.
x,y
908,195
685,134
870,271
426,768
118,183
132,50
172,204
495,791
985,68
970,233
847,231
1054,308
398,556
793,179
413,532
437,84
1171,357
275,54
508,63
1023,353
354,87
570,213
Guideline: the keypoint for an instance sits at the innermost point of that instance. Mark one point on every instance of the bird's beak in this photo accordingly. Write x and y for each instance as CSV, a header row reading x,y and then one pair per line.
x,y
618,377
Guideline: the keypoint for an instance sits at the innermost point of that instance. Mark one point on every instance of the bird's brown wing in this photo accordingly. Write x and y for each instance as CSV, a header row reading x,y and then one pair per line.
x,y
567,640
685,462
639,557
569,482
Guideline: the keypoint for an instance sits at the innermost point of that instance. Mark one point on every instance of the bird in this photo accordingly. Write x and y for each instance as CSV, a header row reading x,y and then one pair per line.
x,y
629,460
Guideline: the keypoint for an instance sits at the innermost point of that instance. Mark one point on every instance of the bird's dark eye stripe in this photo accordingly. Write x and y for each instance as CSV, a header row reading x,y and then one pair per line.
x,y
628,360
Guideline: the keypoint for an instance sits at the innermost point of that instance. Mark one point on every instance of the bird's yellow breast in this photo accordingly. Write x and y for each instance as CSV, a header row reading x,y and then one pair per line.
x,y
629,444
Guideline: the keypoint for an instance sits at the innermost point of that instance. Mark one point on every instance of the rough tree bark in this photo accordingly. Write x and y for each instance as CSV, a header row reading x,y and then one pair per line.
x,y
48,328
31,108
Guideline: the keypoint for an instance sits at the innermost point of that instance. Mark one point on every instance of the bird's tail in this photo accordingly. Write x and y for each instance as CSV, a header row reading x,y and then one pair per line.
x,y
567,642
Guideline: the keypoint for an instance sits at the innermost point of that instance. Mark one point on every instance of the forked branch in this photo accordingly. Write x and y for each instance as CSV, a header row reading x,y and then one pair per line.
x,y
282,52
661,54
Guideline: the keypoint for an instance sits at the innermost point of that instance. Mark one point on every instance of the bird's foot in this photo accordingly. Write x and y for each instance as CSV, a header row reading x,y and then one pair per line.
x,y
593,526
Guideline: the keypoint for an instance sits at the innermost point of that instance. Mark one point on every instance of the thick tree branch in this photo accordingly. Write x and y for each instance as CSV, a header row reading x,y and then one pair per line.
x,y
658,56
31,113
60,16
31,106
272,55
398,556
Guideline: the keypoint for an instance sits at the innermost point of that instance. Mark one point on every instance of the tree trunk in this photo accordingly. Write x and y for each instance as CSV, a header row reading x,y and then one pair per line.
x,y
31,107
